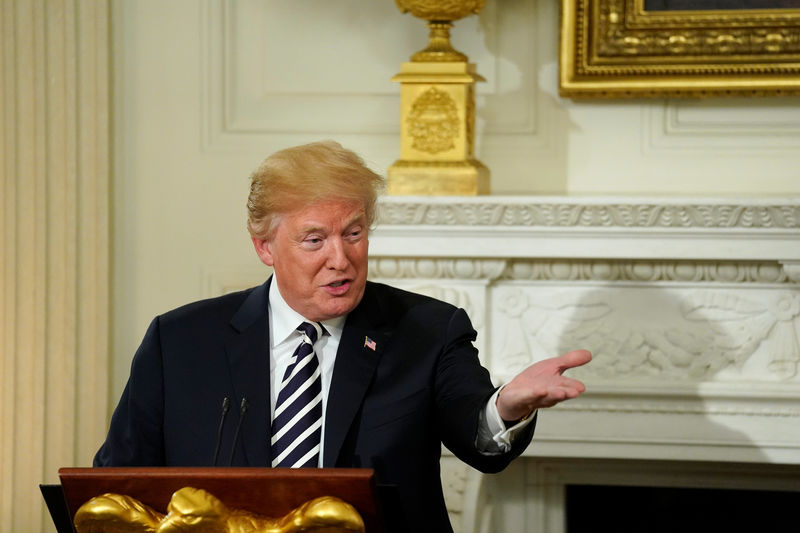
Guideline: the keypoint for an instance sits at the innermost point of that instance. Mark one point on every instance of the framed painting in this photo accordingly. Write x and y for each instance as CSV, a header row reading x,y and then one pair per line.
x,y
679,48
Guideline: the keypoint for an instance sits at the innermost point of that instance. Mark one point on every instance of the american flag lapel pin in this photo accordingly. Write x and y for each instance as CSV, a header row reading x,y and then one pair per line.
x,y
369,343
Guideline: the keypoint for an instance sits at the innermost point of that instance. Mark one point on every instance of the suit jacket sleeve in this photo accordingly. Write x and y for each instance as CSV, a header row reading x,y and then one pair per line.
x,y
463,386
135,436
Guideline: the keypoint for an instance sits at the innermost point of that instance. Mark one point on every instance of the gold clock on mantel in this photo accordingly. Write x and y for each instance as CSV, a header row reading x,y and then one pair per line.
x,y
437,101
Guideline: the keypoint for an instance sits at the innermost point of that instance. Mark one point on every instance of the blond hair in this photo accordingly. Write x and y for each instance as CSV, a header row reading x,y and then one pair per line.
x,y
300,176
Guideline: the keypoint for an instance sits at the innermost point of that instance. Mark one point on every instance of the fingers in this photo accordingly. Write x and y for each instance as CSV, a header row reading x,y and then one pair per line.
x,y
542,385
567,389
573,359
555,395
557,388
569,384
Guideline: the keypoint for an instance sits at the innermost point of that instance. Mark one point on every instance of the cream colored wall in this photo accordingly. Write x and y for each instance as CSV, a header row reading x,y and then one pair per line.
x,y
205,89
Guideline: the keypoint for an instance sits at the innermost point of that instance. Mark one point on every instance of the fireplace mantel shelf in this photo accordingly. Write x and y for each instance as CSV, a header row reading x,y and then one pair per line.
x,y
589,228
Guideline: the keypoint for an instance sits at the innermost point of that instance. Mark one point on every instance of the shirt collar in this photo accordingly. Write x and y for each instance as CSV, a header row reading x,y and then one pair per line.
x,y
285,319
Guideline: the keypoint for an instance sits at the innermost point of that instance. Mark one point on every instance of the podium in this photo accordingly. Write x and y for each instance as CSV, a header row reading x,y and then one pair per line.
x,y
269,492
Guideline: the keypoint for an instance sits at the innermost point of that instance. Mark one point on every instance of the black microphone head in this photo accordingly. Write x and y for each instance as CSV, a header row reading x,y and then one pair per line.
x,y
226,405
242,411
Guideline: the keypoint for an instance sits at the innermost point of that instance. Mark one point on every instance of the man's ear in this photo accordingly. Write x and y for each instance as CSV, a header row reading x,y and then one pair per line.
x,y
263,250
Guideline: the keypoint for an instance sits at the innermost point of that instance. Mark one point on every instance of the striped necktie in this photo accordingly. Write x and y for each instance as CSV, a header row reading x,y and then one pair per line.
x,y
297,421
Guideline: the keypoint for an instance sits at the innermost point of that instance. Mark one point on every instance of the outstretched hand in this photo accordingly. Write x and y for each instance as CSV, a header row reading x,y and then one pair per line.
x,y
541,385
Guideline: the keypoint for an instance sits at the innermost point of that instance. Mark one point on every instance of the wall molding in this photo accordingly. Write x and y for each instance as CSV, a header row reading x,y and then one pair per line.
x,y
620,271
684,126
591,228
590,213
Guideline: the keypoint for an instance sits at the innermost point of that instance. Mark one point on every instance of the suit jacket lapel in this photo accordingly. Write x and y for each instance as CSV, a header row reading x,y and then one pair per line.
x,y
357,358
248,359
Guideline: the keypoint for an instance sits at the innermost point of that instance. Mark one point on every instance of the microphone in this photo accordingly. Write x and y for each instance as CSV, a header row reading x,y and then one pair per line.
x,y
242,411
226,405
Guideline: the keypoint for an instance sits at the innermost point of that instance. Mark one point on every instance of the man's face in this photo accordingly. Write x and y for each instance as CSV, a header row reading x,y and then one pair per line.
x,y
319,254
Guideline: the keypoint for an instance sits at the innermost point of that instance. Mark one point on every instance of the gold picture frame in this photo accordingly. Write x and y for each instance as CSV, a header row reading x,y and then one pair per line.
x,y
618,49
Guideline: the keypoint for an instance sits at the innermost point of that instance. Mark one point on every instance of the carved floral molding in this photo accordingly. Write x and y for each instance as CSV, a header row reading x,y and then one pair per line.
x,y
580,270
645,334
500,212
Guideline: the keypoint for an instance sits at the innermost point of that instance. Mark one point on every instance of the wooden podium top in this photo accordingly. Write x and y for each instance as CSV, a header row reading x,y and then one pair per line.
x,y
270,492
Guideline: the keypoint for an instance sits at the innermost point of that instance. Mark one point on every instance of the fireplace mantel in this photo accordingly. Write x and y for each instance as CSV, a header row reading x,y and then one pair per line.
x,y
691,307
588,228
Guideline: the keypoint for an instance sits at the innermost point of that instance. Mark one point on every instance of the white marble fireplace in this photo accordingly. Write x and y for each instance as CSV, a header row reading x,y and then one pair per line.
x,y
691,308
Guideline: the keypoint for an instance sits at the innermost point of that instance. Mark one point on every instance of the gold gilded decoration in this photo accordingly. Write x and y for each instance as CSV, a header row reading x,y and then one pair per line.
x,y
697,38
437,128
440,9
433,121
433,178
440,14
192,510
616,48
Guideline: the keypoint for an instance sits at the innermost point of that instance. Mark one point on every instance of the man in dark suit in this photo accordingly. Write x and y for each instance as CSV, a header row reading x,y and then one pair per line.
x,y
391,375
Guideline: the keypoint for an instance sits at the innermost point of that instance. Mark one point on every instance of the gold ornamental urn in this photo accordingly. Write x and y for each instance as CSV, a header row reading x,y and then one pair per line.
x,y
440,15
437,100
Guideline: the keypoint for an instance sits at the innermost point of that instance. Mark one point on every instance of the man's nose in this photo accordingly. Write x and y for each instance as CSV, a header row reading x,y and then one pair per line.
x,y
337,258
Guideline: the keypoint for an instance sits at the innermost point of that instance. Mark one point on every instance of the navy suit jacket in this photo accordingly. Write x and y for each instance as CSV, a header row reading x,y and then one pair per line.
x,y
389,408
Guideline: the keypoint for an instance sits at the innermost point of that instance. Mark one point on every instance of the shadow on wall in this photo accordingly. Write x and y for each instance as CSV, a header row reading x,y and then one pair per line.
x,y
522,128
667,342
